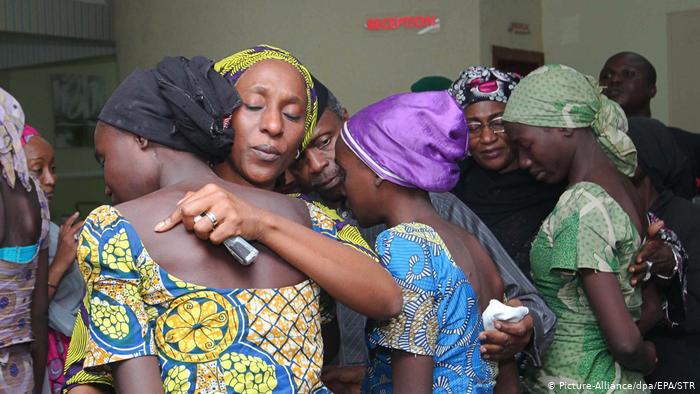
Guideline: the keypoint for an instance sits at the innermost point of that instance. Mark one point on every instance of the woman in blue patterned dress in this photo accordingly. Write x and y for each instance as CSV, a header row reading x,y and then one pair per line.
x,y
398,150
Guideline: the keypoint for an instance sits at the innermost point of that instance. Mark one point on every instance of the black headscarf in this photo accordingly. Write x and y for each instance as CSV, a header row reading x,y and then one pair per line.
x,y
660,157
182,104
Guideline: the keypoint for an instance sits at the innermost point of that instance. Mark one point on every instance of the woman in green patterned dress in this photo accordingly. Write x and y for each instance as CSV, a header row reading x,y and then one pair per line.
x,y
565,129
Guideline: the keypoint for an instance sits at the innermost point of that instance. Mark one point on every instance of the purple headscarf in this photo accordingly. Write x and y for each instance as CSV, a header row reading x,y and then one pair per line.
x,y
414,140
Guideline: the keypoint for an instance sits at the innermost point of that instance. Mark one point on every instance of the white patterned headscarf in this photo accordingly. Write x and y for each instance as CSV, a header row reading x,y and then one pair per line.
x,y
12,158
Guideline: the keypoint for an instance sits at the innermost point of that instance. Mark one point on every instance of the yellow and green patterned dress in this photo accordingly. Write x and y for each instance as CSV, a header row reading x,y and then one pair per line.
x,y
586,230
207,340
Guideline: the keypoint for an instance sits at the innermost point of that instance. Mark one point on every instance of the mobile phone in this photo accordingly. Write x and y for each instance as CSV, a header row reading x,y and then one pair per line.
x,y
241,250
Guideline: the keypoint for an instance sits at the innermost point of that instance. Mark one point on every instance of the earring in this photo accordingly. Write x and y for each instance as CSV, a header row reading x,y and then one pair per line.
x,y
378,181
297,155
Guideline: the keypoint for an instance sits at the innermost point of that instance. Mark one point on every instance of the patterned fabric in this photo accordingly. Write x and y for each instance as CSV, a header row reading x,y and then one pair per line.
x,y
559,96
207,340
75,374
12,157
516,284
414,140
479,83
440,316
57,350
353,349
676,301
336,225
234,66
17,285
586,230
16,374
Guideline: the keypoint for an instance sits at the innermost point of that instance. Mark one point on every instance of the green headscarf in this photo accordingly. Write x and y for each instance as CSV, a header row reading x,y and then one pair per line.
x,y
559,96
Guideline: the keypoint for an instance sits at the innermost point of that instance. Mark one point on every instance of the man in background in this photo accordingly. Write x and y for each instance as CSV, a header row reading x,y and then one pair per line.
x,y
629,79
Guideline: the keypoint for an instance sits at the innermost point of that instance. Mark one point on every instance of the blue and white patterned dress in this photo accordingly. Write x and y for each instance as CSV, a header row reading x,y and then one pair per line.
x,y
440,316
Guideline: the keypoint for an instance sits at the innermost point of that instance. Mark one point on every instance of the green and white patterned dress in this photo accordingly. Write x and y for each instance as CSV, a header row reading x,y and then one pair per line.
x,y
586,230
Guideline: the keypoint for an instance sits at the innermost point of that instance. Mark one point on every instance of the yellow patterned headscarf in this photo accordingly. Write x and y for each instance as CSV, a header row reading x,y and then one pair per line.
x,y
234,66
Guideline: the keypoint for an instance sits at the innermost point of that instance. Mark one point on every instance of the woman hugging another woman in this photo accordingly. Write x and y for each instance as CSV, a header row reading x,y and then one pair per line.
x,y
165,311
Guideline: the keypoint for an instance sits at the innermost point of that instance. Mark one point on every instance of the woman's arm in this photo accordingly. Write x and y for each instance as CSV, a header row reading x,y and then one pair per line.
x,y
138,375
652,308
40,308
65,252
624,340
346,274
507,381
411,373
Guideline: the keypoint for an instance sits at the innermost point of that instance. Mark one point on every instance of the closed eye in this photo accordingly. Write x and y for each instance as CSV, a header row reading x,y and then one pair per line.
x,y
293,118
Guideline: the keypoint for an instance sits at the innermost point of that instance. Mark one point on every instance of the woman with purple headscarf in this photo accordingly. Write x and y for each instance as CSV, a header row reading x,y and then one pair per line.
x,y
398,150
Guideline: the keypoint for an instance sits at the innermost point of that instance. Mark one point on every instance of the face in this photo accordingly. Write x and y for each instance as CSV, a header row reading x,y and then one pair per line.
x,y
269,125
317,169
359,185
545,152
626,82
488,143
129,166
40,160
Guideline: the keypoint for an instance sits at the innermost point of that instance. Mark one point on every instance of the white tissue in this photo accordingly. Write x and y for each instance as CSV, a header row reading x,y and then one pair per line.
x,y
500,311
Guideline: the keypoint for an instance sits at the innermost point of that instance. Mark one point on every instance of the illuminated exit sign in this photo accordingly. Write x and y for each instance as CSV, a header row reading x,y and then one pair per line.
x,y
424,22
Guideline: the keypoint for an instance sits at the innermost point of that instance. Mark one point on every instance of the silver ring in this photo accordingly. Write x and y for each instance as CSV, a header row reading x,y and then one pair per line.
x,y
211,217
647,275
75,236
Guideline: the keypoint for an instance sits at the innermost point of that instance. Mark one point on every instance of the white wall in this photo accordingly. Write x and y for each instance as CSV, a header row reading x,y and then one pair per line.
x,y
328,36
496,17
583,34
683,58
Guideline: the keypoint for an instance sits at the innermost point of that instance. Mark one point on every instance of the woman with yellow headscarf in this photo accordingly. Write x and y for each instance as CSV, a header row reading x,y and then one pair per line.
x,y
267,130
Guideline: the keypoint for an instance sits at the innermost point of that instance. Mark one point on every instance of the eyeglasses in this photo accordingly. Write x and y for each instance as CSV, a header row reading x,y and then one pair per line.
x,y
495,124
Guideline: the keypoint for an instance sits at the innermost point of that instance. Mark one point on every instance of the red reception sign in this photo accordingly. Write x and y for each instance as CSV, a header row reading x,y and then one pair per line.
x,y
401,22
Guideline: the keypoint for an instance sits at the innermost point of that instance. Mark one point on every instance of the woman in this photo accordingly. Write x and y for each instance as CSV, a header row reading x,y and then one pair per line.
x,y
509,199
274,124
506,198
253,328
398,150
66,286
663,170
23,260
565,130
